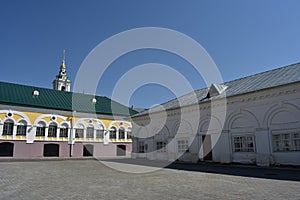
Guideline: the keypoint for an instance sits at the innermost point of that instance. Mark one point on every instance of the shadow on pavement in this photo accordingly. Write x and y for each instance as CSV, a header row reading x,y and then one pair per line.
x,y
277,173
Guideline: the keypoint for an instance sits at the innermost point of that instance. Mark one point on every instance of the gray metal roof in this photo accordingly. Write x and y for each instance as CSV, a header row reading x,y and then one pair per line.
x,y
269,79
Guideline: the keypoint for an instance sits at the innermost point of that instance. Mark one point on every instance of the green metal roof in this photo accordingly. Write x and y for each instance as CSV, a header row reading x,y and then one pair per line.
x,y
22,95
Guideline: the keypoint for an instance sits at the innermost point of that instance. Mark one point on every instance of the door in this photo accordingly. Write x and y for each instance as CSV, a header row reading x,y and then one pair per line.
x,y
88,150
121,150
7,149
206,145
51,150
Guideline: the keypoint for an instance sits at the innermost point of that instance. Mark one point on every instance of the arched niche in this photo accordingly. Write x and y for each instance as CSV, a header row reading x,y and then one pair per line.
x,y
285,116
182,128
243,120
210,124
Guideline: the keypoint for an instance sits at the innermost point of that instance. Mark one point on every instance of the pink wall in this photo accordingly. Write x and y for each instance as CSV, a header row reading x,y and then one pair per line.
x,y
24,150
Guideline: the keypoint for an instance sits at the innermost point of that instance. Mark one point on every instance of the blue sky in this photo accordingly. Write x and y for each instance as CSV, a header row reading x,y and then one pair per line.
x,y
242,37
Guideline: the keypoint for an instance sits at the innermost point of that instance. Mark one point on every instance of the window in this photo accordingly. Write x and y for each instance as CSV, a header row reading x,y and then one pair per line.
x,y
243,143
90,132
63,132
52,130
129,135
182,146
121,133
40,129
8,128
79,133
296,141
21,128
99,134
112,133
286,142
142,147
161,146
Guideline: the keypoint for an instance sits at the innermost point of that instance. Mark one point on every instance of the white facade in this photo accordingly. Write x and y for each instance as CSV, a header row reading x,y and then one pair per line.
x,y
261,127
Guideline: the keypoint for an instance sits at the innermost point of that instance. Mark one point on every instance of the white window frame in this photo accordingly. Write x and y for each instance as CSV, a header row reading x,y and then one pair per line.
x,y
161,146
182,145
286,141
63,131
99,133
79,135
40,128
113,133
52,130
244,141
90,132
8,127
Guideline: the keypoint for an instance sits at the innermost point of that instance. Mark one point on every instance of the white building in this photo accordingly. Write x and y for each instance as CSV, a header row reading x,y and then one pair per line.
x,y
262,123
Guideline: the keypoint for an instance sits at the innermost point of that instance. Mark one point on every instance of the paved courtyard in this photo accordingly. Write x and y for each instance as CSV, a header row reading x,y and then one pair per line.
x,y
91,179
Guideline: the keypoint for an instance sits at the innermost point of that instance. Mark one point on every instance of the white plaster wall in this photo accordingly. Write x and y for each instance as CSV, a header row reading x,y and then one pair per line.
x,y
259,113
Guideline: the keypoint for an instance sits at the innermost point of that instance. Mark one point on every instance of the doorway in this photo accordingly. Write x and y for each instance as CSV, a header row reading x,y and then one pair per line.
x,y
206,145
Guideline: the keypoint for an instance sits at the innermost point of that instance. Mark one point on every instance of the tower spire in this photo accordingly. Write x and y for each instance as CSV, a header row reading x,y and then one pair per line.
x,y
63,62
62,81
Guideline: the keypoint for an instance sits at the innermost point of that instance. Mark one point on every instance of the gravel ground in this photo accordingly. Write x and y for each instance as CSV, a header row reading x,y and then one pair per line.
x,y
91,179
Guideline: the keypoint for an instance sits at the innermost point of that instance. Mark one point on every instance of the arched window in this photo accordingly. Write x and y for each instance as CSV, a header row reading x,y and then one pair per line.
x,y
100,133
79,131
121,133
52,130
21,128
129,133
112,133
63,132
40,129
8,127
90,132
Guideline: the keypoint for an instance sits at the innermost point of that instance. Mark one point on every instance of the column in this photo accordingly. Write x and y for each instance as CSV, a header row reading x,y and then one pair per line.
x,y
105,137
1,129
71,136
223,148
57,133
95,132
84,134
14,131
46,132
30,134
117,134
262,144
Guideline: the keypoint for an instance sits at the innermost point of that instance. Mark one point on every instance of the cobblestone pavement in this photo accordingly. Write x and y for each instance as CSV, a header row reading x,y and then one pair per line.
x,y
90,179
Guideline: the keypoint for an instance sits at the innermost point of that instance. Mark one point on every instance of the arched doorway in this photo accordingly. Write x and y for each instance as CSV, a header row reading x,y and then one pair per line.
x,y
121,150
7,149
51,150
88,150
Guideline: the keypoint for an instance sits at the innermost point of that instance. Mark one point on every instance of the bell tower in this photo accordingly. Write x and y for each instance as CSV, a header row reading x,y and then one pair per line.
x,y
62,81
